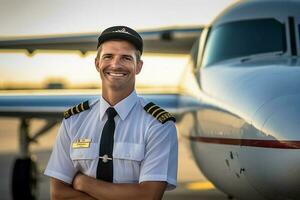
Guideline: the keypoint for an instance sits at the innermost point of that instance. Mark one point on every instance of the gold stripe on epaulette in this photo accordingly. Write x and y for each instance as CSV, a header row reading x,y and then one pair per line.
x,y
81,107
155,111
76,109
72,113
150,108
160,114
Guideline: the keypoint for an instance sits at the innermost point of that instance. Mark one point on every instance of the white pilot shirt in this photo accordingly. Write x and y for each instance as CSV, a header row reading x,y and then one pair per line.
x,y
144,148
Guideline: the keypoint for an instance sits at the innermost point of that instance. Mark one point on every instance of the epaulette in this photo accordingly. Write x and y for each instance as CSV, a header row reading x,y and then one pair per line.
x,y
76,109
160,114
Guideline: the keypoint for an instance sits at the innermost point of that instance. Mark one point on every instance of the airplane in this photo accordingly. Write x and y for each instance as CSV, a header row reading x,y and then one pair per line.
x,y
243,124
245,138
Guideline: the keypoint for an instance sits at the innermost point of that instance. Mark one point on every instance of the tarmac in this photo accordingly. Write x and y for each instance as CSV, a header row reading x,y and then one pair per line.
x,y
192,184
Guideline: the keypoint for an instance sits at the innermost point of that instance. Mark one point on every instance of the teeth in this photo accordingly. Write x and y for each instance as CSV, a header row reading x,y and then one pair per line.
x,y
116,74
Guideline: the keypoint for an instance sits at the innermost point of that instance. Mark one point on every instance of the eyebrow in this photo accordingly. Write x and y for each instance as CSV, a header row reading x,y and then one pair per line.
x,y
123,55
106,54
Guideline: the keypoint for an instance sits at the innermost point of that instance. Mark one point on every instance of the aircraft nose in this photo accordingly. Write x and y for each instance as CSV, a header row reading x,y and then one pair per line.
x,y
283,119
275,167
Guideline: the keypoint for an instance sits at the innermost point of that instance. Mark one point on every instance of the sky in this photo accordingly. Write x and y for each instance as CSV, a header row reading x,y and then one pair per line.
x,y
39,17
50,17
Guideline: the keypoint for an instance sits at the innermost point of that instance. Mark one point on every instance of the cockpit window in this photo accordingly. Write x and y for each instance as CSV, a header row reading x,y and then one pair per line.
x,y
243,38
194,51
299,34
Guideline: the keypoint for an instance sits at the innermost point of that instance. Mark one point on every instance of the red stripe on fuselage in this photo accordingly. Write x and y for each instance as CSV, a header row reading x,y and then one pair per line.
x,y
280,144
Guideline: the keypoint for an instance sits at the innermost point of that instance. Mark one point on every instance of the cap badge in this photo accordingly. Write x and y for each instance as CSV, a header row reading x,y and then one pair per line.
x,y
123,30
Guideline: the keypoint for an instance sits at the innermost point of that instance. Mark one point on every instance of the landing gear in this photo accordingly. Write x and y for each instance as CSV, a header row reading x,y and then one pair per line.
x,y
25,173
24,179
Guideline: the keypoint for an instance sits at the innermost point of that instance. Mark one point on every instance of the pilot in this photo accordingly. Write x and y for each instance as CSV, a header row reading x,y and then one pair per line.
x,y
118,146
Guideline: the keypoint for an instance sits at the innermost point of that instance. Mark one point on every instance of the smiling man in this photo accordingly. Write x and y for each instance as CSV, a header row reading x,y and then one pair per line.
x,y
119,146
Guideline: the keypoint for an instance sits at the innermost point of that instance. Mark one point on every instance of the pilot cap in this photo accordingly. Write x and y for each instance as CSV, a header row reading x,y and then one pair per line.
x,y
123,33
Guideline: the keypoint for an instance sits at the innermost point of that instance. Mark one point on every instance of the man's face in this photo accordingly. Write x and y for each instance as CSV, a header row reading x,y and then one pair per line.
x,y
118,65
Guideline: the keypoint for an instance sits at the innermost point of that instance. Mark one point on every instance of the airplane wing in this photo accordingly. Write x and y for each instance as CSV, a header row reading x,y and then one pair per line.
x,y
169,40
52,106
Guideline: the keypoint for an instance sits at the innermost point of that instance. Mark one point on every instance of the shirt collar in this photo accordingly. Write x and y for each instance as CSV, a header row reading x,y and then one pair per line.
x,y
123,107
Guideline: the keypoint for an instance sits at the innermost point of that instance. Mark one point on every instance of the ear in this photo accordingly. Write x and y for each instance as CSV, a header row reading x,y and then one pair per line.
x,y
139,67
97,64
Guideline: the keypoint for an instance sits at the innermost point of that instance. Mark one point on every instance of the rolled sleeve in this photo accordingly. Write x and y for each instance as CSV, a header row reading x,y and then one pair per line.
x,y
161,156
60,165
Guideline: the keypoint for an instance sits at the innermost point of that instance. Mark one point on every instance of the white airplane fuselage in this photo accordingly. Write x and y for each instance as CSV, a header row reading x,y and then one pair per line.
x,y
247,142
245,137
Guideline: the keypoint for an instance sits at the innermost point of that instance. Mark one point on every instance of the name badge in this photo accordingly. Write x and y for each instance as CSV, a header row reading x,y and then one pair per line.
x,y
81,143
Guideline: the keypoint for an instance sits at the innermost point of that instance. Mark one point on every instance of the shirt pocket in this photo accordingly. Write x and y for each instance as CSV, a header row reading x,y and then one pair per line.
x,y
84,157
127,158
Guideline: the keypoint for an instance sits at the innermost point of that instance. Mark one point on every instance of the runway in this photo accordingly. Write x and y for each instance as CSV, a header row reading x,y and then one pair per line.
x,y
192,184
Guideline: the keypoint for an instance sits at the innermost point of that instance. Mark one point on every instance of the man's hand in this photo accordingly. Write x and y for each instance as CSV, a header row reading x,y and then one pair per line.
x,y
152,190
78,181
63,191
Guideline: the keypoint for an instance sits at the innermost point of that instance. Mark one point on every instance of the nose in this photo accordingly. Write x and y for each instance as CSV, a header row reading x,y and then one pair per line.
x,y
115,62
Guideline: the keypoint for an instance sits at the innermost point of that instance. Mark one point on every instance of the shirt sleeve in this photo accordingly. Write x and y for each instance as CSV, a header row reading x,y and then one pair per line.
x,y
161,156
60,165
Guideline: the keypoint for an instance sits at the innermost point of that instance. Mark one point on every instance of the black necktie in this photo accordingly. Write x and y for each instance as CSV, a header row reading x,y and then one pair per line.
x,y
105,163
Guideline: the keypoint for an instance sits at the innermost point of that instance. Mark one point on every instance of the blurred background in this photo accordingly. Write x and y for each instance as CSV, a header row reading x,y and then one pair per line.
x,y
66,71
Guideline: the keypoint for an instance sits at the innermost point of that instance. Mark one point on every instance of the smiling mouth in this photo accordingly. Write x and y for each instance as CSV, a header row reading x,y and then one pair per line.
x,y
114,74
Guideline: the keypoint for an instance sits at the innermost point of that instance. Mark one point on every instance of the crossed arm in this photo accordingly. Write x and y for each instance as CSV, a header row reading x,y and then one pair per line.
x,y
63,191
88,188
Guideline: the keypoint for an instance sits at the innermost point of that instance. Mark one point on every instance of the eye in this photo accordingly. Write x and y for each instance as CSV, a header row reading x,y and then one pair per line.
x,y
127,58
106,57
